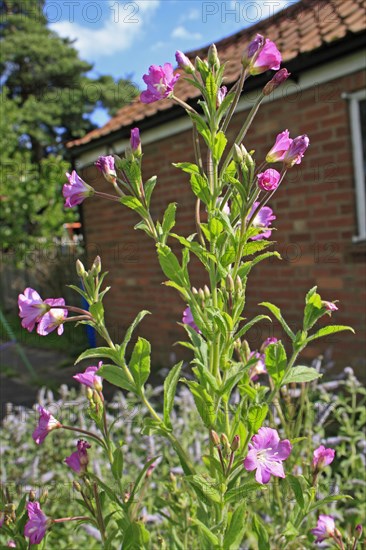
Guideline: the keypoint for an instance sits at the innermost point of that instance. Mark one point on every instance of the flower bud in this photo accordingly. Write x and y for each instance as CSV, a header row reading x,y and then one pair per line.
x,y
358,530
215,438
230,283
276,81
221,93
32,495
76,485
329,306
184,63
239,153
201,294
80,269
235,443
206,291
213,58
238,284
135,142
194,290
225,443
150,470
322,457
96,267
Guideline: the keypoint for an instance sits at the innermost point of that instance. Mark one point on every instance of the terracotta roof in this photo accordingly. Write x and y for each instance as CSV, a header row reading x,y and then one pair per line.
x,y
299,29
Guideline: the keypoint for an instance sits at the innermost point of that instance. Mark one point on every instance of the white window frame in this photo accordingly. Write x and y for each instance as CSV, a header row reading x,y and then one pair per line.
x,y
358,161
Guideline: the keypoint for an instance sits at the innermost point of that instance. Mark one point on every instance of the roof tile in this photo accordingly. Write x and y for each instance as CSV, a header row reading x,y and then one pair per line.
x,y
300,28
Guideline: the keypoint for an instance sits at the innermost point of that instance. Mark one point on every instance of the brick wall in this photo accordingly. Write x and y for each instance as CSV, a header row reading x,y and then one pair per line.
x,y
316,219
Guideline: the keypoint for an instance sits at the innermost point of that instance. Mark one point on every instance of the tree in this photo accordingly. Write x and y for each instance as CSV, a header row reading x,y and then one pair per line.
x,y
47,99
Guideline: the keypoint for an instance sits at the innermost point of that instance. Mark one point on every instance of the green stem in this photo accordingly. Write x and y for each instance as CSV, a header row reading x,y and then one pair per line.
x,y
239,87
99,512
239,138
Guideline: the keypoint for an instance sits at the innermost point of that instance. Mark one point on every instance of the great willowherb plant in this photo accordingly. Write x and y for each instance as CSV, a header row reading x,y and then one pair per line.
x,y
251,442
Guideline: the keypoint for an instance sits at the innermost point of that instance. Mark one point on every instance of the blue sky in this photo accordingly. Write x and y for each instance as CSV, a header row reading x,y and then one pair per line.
x,y
123,37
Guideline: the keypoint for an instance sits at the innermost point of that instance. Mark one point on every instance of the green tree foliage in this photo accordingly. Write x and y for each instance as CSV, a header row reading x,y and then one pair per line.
x,y
47,99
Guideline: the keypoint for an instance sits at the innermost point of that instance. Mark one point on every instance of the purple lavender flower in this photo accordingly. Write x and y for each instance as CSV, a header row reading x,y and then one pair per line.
x,y
36,526
266,454
78,461
46,424
325,528
279,149
105,164
269,179
160,83
296,150
76,190
188,319
322,457
54,318
263,220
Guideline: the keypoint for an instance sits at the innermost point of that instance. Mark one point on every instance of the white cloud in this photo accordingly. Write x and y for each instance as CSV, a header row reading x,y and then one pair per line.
x,y
182,33
119,30
193,15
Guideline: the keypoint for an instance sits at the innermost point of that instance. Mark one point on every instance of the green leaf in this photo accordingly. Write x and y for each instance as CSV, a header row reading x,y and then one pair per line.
x,y
170,385
249,325
203,402
140,362
205,489
262,533
188,167
331,329
314,309
98,352
238,494
170,265
215,227
200,188
207,534
276,361
256,246
301,374
136,536
326,500
97,310
219,146
129,332
256,416
117,465
277,313
134,204
117,376
169,218
297,489
149,187
235,531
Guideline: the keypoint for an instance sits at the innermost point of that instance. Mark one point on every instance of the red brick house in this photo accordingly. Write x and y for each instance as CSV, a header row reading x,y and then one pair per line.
x,y
321,227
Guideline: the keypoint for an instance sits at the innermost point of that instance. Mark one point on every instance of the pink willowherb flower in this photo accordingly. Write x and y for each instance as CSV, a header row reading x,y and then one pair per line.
x,y
259,367
11,544
296,150
279,149
78,461
76,190
268,341
89,378
31,308
269,179
36,526
322,457
54,317
160,83
263,55
329,306
266,454
263,220
325,528
46,424
105,164
188,319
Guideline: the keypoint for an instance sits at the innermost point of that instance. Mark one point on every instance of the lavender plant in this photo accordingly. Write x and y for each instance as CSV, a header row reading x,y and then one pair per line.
x,y
241,395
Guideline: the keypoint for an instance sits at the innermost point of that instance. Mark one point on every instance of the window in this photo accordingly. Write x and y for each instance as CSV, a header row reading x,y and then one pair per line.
x,y
357,106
